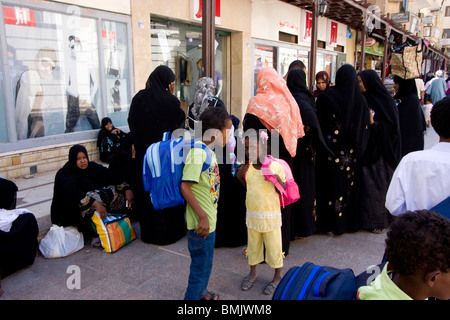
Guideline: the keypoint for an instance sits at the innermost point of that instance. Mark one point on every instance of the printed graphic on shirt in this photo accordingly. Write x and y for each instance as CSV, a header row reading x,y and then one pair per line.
x,y
214,182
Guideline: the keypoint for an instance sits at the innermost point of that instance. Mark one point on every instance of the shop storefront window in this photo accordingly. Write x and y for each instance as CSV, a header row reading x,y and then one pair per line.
x,y
303,56
179,46
3,127
264,57
327,62
280,57
117,73
286,57
56,72
66,69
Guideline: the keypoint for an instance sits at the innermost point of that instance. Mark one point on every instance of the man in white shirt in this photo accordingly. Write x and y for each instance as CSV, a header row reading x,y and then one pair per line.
x,y
422,178
420,89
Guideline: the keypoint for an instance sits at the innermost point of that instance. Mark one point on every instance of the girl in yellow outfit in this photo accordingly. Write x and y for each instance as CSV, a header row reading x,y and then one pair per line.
x,y
263,213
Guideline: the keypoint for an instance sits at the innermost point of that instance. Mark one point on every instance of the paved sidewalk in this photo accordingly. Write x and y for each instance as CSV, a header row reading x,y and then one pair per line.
x,y
143,271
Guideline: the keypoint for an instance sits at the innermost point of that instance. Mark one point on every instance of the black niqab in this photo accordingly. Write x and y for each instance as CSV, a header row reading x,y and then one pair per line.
x,y
154,111
347,102
411,117
386,115
296,83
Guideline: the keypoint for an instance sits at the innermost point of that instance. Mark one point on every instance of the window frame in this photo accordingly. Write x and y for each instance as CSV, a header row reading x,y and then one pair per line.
x,y
98,16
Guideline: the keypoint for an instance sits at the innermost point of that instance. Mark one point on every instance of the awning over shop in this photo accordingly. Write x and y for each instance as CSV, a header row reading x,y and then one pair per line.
x,y
362,16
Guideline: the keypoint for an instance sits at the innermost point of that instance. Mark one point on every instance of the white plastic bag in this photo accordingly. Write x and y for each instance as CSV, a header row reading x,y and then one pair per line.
x,y
61,242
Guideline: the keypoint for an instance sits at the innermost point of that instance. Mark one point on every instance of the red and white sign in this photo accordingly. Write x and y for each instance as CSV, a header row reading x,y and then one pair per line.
x,y
332,33
308,26
108,35
197,7
288,27
19,16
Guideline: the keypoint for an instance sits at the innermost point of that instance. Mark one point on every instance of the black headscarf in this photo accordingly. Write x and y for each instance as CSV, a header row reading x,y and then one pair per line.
x,y
103,133
72,184
386,116
154,111
296,82
411,117
405,87
347,102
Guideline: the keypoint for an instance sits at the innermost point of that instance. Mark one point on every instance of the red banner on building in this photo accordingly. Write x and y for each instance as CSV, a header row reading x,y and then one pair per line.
x,y
308,26
333,33
19,16
197,10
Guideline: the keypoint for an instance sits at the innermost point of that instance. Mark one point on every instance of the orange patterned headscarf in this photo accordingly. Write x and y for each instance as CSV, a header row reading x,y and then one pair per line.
x,y
277,109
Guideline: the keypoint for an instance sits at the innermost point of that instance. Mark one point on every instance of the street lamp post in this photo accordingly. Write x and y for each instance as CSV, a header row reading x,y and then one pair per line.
x,y
318,9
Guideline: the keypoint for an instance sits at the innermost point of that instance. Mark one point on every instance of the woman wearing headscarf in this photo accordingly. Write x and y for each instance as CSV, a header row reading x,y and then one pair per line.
x,y
203,98
303,211
230,230
82,187
322,83
344,119
153,111
274,109
109,140
382,154
412,120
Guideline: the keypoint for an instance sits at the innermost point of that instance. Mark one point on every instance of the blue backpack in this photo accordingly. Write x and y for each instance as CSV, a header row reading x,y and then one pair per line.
x,y
314,282
163,169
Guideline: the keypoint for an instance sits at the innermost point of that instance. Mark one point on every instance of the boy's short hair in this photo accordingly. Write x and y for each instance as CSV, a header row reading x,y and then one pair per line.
x,y
214,118
440,117
419,240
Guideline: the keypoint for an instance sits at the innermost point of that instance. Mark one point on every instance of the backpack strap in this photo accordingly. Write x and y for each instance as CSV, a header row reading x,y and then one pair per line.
x,y
208,160
267,173
166,136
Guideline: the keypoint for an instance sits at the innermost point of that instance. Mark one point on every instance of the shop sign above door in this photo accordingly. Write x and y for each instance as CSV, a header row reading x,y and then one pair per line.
x,y
196,11
19,16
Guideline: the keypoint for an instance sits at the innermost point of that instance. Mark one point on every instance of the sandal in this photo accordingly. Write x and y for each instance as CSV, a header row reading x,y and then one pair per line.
x,y
247,284
270,288
212,296
378,231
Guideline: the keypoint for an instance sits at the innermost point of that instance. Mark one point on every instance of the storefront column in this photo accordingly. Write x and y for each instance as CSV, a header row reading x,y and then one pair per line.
x,y
313,57
386,51
363,43
208,36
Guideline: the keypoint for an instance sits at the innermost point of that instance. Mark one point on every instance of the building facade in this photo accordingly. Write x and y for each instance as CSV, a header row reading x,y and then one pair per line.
x,y
67,64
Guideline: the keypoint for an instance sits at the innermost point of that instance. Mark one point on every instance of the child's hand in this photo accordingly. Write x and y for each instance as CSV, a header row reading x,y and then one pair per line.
x,y
203,227
280,181
240,174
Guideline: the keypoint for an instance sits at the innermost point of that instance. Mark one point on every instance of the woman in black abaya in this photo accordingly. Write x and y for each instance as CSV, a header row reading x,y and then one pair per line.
x,y
153,111
412,120
303,213
382,155
344,119
81,187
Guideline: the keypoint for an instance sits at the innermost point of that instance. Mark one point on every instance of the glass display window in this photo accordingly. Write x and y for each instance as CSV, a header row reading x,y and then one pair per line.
x,y
179,46
286,57
64,69
3,125
56,72
117,73
263,57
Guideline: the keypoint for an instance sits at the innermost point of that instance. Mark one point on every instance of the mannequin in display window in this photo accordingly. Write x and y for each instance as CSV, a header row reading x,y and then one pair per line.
x,y
81,89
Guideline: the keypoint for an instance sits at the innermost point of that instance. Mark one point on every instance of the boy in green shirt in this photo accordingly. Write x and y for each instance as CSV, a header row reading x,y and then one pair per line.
x,y
201,192
418,251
